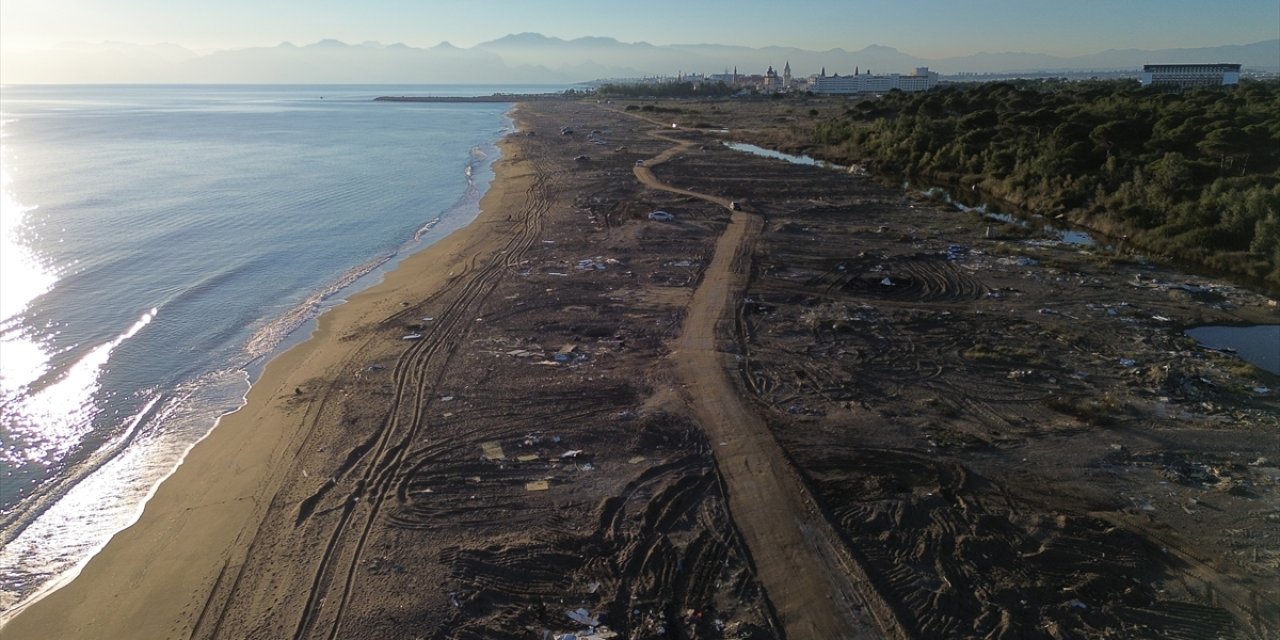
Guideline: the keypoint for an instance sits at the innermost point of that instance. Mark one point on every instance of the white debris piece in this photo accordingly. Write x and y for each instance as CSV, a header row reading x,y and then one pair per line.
x,y
582,616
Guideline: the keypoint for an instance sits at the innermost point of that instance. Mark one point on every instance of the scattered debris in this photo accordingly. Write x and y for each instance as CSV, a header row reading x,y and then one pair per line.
x,y
582,616
1020,261
493,450
537,485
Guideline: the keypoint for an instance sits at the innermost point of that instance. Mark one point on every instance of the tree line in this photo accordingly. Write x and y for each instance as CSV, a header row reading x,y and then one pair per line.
x,y
1193,175
684,89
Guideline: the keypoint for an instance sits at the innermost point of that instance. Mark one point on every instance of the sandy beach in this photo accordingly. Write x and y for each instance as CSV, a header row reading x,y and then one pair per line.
x,y
159,572
807,406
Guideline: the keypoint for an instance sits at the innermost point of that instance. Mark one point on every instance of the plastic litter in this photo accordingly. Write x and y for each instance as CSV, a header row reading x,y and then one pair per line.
x,y
582,616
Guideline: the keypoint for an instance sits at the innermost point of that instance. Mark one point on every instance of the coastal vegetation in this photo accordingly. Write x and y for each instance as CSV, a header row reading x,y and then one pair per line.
x,y
683,89
1194,175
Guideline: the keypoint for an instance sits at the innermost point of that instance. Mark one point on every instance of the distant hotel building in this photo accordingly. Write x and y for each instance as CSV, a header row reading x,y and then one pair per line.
x,y
771,81
922,80
1190,75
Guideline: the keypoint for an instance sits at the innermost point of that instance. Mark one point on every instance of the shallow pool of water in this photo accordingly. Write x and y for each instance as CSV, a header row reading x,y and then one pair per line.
x,y
778,155
1258,345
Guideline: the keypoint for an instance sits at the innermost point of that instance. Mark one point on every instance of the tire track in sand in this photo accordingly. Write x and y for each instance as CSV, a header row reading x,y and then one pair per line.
x,y
807,578
415,376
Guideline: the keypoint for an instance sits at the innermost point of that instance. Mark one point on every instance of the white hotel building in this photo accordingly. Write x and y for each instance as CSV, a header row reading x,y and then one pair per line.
x,y
1190,75
921,80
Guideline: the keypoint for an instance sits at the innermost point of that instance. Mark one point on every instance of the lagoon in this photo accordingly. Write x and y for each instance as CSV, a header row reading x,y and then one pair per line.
x,y
1258,345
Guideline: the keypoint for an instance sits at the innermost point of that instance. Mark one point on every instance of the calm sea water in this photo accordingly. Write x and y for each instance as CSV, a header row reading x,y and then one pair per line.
x,y
158,244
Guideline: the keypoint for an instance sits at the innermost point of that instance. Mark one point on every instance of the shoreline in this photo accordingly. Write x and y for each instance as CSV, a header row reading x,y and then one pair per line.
x,y
339,293
73,506
63,604
300,324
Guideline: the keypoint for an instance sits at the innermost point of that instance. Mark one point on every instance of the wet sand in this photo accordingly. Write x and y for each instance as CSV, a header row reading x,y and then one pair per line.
x,y
834,412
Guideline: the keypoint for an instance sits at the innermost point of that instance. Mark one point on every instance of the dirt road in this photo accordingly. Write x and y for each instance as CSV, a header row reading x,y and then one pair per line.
x,y
801,570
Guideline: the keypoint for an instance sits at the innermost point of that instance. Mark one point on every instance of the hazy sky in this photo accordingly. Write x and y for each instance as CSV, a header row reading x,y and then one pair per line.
x,y
930,28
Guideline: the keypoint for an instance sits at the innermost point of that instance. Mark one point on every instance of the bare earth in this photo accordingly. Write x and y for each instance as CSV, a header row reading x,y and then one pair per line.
x,y
837,412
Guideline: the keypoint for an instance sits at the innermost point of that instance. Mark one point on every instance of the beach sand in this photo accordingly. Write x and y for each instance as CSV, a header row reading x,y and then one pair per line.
x,y
153,579
836,411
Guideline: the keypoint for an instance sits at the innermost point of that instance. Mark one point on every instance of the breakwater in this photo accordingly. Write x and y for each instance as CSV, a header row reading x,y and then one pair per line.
x,y
497,97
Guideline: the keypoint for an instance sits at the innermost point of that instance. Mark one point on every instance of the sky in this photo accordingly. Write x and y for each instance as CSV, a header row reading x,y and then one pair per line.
x,y
925,28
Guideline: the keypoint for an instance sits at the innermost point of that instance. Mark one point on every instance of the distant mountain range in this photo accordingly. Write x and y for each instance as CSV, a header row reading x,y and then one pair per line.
x,y
531,58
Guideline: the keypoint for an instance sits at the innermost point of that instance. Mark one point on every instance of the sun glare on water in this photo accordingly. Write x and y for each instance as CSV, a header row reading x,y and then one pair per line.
x,y
45,416
22,280
22,277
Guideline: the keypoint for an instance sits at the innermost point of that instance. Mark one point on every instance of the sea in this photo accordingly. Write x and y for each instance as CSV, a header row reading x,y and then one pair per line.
x,y
159,244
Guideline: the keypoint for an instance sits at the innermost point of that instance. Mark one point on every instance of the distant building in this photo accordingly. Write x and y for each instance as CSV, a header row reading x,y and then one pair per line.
x,y
921,80
729,79
771,80
1190,75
